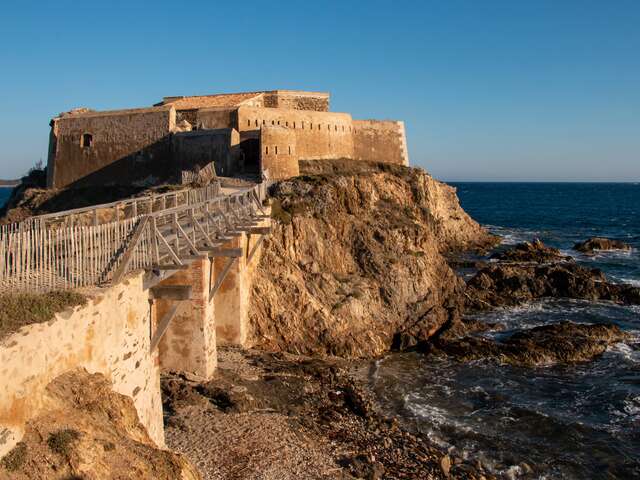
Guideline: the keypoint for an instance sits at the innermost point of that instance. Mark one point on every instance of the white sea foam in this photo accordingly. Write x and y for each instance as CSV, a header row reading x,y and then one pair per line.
x,y
625,351
631,281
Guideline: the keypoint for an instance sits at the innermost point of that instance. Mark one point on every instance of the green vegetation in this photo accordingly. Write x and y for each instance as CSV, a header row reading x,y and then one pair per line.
x,y
18,310
15,458
61,441
278,213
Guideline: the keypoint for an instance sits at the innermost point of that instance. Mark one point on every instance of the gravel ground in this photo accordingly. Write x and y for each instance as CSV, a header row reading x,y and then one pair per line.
x,y
278,416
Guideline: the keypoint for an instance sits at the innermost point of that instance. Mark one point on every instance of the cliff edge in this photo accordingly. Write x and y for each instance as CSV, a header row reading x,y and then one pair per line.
x,y
355,265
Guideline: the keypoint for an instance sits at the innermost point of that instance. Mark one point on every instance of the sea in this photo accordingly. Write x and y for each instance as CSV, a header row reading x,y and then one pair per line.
x,y
5,192
579,421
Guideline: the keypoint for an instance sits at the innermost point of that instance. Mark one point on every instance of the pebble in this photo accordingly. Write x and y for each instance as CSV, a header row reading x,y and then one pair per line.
x,y
445,464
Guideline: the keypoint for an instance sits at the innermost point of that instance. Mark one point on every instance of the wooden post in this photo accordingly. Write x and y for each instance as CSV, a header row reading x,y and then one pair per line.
x,y
175,230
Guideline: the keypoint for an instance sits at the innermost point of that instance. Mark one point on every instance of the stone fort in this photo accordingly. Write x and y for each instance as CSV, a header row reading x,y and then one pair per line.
x,y
262,134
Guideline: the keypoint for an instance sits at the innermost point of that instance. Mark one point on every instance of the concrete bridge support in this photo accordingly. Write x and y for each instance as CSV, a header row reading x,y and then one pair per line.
x,y
189,343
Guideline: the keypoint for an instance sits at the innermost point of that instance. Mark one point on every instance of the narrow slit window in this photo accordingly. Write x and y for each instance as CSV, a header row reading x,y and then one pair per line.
x,y
256,122
249,123
294,125
266,150
86,141
286,124
273,122
276,149
289,149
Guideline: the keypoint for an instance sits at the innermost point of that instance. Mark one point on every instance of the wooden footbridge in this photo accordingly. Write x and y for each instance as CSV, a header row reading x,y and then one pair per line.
x,y
99,245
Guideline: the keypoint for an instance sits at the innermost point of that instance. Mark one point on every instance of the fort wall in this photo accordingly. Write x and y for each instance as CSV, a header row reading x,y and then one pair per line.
x,y
111,147
319,135
108,335
278,156
380,141
296,100
197,149
212,118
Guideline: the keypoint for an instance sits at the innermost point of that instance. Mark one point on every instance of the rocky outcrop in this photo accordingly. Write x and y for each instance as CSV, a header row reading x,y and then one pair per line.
x,y
90,432
535,251
564,342
599,243
355,263
501,285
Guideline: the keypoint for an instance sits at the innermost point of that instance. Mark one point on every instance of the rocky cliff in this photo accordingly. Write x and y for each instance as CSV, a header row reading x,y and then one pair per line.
x,y
355,265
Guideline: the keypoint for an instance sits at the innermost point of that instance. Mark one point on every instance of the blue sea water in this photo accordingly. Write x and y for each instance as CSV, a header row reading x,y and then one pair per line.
x,y
4,195
555,422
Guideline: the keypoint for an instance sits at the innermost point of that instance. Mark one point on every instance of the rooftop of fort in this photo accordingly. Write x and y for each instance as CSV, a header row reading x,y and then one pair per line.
x,y
216,100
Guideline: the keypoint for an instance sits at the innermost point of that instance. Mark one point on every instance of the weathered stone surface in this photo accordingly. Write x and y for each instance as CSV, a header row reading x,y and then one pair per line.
x,y
354,265
599,243
512,284
88,431
563,342
535,251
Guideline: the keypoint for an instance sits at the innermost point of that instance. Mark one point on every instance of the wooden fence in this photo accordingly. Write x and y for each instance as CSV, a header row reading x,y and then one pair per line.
x,y
40,256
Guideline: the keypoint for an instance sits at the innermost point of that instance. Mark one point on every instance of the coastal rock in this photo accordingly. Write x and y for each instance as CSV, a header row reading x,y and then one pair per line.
x,y
599,243
355,262
564,342
90,432
535,251
513,284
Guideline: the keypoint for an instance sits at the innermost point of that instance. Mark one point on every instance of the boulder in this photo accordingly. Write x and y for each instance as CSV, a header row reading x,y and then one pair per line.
x,y
599,243
564,342
535,251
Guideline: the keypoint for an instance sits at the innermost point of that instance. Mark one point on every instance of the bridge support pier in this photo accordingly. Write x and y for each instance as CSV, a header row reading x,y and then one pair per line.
x,y
233,296
189,344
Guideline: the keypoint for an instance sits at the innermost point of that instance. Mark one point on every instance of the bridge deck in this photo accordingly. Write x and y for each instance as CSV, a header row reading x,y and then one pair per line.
x,y
57,253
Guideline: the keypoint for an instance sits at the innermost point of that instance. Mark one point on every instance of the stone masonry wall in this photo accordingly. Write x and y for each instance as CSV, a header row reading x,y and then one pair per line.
x,y
125,146
108,335
380,141
278,156
319,135
189,344
297,100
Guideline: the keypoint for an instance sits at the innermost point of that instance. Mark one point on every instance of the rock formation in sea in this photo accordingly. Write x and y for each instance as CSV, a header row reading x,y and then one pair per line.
x,y
513,283
564,342
594,244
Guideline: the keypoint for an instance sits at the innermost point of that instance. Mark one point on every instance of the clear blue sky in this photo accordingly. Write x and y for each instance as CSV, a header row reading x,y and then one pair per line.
x,y
489,90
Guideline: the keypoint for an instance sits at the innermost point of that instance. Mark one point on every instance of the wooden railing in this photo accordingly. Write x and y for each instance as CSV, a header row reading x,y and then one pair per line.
x,y
48,255
121,209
